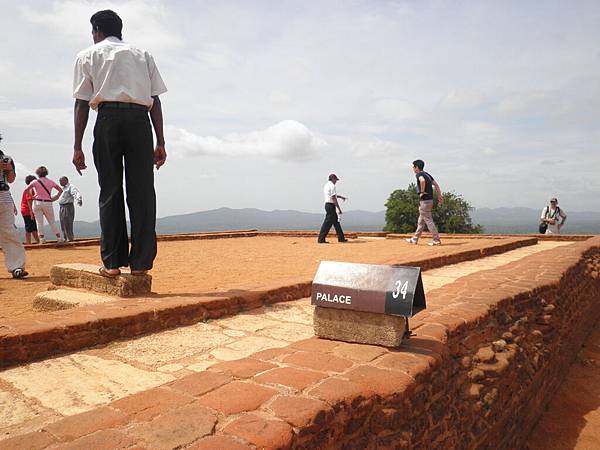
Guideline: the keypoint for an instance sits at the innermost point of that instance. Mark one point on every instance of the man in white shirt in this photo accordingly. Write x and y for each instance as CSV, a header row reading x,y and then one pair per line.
x,y
552,215
123,84
66,202
331,217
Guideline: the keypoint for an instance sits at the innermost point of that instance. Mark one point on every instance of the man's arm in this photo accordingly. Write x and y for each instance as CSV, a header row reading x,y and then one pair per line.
x,y
439,192
336,203
81,112
564,218
160,154
76,194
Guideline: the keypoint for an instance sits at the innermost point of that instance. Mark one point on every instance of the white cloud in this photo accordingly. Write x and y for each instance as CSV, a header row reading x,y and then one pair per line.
x,y
489,151
371,147
286,140
394,110
485,133
144,22
35,119
462,99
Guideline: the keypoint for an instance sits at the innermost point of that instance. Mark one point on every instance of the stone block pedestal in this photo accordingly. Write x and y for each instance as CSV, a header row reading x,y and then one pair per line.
x,y
86,276
358,326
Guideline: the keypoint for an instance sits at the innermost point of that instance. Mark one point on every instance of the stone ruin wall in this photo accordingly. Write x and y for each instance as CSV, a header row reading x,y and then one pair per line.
x,y
490,381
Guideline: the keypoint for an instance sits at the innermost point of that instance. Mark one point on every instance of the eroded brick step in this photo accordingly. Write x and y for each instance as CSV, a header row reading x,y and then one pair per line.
x,y
59,299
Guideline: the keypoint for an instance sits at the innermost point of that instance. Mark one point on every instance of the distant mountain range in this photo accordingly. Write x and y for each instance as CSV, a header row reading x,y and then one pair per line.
x,y
494,221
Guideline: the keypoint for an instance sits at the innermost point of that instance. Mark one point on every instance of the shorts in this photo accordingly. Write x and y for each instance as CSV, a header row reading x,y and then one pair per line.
x,y
30,225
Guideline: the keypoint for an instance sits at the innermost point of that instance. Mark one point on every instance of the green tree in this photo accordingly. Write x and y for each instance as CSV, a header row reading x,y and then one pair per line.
x,y
452,216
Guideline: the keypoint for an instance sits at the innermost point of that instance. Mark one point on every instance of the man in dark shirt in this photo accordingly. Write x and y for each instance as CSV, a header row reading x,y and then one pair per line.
x,y
425,186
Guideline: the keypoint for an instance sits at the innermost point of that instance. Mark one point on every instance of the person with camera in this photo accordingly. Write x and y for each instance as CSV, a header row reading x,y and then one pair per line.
x,y
14,252
553,218
123,84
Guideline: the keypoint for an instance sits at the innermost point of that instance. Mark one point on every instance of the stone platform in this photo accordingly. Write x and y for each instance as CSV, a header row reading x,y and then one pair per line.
x,y
314,393
26,339
86,276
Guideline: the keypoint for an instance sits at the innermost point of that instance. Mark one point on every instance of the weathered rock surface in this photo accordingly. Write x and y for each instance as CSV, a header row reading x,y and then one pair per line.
x,y
358,326
86,276
58,299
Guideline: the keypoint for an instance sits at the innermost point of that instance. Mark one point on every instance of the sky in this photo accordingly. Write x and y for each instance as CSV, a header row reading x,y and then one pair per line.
x,y
500,99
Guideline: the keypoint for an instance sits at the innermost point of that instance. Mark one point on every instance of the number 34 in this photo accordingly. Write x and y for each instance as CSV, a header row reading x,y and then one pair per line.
x,y
400,289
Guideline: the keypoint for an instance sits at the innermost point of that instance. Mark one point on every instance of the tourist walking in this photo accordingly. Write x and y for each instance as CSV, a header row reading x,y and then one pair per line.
x,y
27,213
425,186
551,216
69,196
41,190
14,253
122,83
331,216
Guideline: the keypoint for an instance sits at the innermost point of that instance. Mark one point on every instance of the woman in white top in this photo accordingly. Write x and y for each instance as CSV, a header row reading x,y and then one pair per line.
x,y
41,191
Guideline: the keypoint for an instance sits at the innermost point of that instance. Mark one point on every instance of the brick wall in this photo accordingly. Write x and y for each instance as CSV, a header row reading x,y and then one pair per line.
x,y
489,378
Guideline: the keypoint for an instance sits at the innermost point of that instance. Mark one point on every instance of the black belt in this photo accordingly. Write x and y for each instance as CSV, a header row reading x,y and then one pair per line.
x,y
121,105
40,200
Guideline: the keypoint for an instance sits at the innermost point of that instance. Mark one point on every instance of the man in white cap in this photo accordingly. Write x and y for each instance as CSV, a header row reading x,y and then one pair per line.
x,y
551,214
331,217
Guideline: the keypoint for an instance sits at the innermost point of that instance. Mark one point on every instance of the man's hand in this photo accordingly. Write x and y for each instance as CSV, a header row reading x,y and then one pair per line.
x,y
440,199
160,156
79,160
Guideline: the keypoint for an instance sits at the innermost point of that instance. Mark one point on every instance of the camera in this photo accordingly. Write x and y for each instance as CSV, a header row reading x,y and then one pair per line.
x,y
3,184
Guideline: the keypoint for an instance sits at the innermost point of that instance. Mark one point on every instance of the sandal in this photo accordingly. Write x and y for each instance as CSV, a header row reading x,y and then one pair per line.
x,y
105,272
19,273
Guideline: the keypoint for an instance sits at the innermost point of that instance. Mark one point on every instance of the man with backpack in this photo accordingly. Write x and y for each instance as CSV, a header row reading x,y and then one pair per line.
x,y
551,215
425,186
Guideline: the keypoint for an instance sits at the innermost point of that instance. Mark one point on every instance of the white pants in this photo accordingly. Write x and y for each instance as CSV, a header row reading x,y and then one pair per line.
x,y
14,253
41,210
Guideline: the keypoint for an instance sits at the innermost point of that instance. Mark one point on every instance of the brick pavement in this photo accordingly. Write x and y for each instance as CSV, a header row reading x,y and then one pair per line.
x,y
44,392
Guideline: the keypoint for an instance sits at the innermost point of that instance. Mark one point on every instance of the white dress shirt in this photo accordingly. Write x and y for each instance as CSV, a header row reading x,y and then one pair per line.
x,y
114,71
329,191
69,194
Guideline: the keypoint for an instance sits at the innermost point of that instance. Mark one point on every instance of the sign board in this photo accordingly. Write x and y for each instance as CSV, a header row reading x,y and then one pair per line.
x,y
393,290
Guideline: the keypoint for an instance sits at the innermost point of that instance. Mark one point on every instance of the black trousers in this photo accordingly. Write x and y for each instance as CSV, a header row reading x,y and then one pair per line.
x,y
331,218
123,138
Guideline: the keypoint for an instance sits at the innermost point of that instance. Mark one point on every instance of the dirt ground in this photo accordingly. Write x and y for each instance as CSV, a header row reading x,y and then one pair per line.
x,y
222,265
572,420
